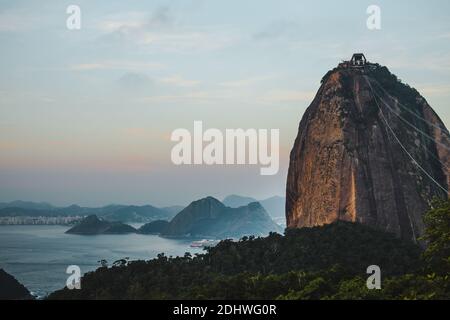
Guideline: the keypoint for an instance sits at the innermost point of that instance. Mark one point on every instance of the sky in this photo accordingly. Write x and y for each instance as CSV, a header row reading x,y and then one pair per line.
x,y
86,115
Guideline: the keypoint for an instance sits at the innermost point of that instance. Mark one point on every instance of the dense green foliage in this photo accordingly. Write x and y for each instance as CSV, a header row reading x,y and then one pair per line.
x,y
326,262
437,235
11,289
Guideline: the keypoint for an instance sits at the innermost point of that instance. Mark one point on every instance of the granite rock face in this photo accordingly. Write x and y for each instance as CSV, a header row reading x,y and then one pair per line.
x,y
369,149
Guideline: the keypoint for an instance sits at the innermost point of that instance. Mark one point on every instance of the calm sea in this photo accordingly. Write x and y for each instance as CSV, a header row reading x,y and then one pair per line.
x,y
38,256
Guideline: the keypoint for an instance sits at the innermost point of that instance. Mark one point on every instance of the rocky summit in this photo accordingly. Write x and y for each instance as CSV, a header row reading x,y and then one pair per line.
x,y
369,149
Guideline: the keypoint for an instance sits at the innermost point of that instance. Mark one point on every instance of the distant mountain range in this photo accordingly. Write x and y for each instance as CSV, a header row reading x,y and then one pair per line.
x,y
207,217
27,205
130,213
121,213
275,206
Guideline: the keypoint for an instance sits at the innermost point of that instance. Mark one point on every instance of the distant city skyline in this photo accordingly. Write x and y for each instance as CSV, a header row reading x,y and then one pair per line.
x,y
86,115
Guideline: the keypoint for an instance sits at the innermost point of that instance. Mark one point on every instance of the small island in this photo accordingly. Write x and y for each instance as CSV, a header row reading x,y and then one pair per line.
x,y
92,225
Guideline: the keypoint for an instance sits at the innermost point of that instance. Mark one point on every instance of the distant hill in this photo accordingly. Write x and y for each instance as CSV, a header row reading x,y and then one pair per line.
x,y
235,201
172,210
275,206
26,205
136,214
93,225
209,217
11,289
154,227
21,212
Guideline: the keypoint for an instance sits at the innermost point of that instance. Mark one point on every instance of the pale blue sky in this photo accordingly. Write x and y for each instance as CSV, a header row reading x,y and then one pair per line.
x,y
86,115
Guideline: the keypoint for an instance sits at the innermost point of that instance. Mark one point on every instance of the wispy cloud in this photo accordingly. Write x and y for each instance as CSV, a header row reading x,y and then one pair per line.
x,y
160,31
283,96
245,82
229,96
10,21
115,65
159,18
429,62
134,80
435,90
192,96
178,80
441,36
278,29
